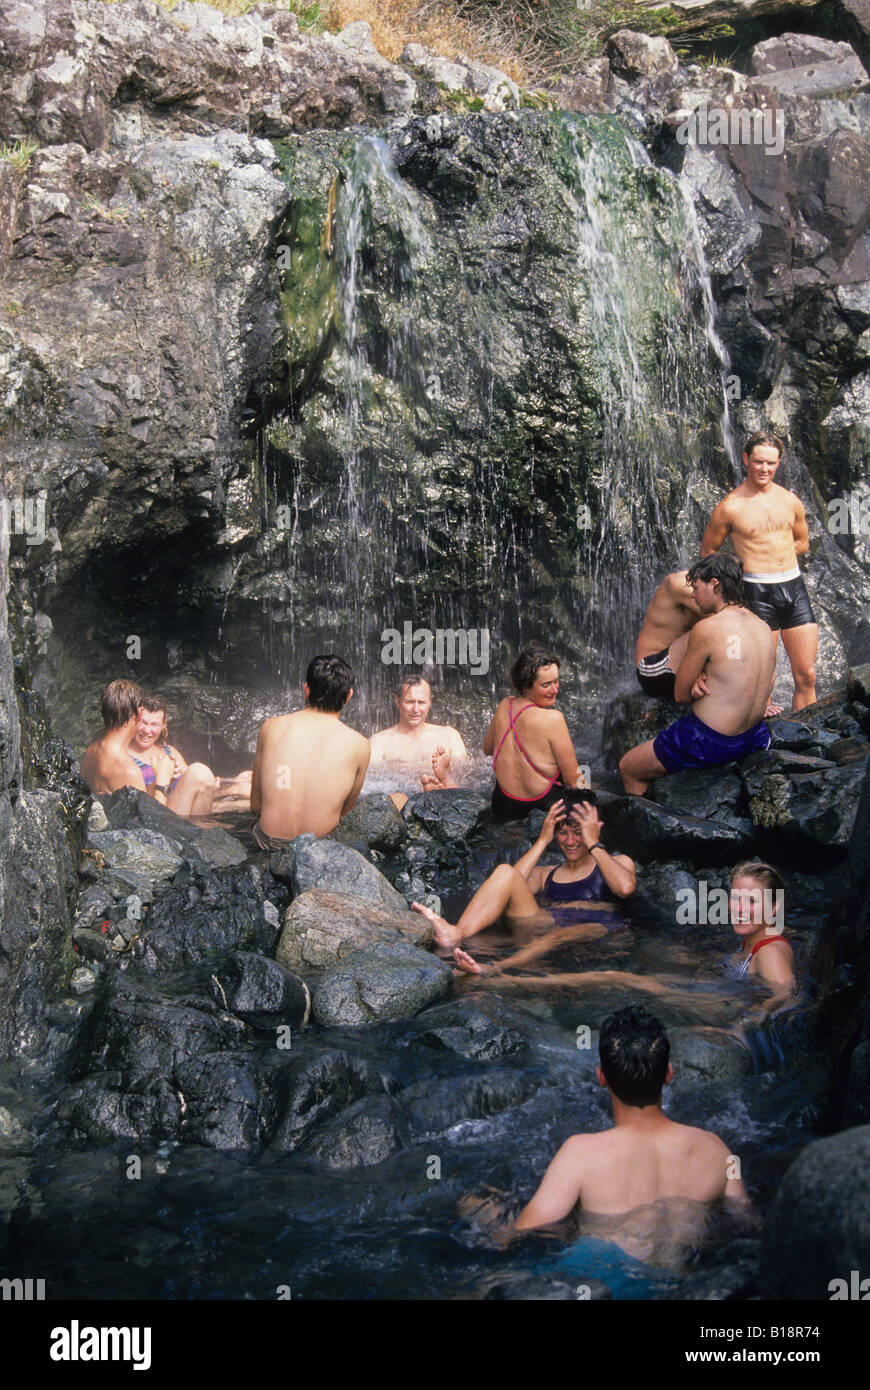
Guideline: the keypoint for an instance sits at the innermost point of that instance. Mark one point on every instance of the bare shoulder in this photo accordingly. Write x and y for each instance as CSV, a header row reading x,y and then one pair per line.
x,y
703,1141
785,495
676,584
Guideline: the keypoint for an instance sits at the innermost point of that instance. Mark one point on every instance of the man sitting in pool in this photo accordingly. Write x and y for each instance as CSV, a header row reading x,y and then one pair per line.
x,y
727,672
644,1159
412,745
576,900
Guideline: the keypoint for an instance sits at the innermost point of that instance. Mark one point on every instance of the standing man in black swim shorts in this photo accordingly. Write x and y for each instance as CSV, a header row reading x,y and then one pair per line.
x,y
664,635
768,529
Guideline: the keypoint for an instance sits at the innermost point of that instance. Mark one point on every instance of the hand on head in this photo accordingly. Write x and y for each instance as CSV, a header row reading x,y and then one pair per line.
x,y
555,814
585,816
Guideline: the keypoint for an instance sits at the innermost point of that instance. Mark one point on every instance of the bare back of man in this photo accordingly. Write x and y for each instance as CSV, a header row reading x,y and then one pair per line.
x,y
308,772
671,613
733,650
107,766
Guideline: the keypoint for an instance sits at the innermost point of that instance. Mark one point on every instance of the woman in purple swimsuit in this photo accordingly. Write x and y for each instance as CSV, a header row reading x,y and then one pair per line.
x,y
531,753
576,901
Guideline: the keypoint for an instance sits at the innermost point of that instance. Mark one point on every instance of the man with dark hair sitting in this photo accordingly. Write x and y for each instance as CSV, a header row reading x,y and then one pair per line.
x,y
727,673
645,1156
309,767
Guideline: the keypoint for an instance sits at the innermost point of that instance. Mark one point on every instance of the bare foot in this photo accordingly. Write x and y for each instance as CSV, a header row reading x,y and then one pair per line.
x,y
772,710
441,767
445,934
430,783
468,964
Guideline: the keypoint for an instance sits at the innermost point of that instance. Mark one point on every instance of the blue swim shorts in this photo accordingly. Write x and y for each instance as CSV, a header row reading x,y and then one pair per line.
x,y
690,743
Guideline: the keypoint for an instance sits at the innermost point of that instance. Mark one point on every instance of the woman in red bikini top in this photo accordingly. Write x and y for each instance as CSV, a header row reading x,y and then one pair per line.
x,y
757,906
533,756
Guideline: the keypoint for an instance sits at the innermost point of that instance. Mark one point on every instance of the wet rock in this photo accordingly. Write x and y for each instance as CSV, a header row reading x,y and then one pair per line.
x,y
448,816
734,1277
847,750
363,1135
858,685
92,945
311,863
205,912
651,831
711,794
375,822
98,1110
321,928
135,1029
433,1106
82,980
482,1033
379,983
816,809
316,1088
93,907
132,810
702,1055
229,1101
794,51
260,991
818,1227
791,735
658,888
146,853
493,89
632,719
857,1108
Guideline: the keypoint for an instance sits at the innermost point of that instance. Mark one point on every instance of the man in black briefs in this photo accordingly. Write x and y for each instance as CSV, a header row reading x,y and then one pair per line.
x,y
664,635
768,529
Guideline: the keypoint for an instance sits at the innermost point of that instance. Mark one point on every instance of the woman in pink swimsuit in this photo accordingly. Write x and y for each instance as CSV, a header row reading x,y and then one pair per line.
x,y
532,753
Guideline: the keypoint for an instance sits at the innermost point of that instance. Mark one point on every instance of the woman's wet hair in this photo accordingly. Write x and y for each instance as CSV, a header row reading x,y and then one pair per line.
x,y
154,705
119,703
329,681
527,665
634,1051
574,796
724,567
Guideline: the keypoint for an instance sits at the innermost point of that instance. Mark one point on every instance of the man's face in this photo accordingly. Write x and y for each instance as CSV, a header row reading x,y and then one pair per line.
x,y
705,594
414,704
761,464
149,726
546,686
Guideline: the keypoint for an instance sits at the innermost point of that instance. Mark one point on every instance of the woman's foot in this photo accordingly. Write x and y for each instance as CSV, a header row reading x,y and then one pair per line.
x,y
468,965
445,934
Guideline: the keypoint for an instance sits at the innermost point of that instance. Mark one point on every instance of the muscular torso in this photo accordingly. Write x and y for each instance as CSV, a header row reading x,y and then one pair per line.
x,y
739,670
672,611
308,764
536,728
762,529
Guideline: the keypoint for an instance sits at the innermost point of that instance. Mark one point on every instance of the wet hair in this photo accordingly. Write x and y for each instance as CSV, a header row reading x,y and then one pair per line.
x,y
765,437
634,1052
724,567
329,681
527,665
764,874
410,677
154,705
119,703
573,796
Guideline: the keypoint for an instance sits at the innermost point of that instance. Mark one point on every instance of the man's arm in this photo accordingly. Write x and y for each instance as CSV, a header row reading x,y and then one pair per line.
x,y
800,530
692,663
559,1191
256,775
362,769
717,530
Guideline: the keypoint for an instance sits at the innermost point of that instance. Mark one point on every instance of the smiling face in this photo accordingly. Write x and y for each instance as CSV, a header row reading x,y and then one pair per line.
x,y
414,705
747,907
570,841
149,728
761,464
545,687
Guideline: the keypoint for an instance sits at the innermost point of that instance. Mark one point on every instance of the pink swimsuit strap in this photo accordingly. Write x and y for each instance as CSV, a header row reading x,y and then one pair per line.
x,y
511,729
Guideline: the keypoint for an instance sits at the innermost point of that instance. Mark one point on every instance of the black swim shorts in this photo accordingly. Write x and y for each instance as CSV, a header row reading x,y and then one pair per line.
x,y
782,605
655,676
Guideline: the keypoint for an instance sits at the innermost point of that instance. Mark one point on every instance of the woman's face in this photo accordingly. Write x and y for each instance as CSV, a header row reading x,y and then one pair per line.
x,y
747,906
149,727
570,840
546,686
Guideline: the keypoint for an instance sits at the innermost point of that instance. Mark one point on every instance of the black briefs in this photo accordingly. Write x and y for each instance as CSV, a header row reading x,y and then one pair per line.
x,y
780,605
655,676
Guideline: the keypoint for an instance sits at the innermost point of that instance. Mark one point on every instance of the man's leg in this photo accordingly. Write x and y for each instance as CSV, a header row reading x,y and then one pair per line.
x,y
802,644
195,792
639,767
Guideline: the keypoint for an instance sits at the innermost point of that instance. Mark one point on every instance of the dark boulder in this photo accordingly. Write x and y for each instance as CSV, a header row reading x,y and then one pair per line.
x,y
311,863
379,983
260,991
206,912
321,928
316,1087
375,822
